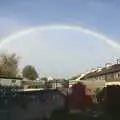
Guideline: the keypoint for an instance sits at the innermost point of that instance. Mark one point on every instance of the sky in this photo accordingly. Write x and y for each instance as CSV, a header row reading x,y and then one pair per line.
x,y
61,53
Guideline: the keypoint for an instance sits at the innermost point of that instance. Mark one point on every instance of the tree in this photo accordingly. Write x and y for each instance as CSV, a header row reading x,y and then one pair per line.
x,y
30,72
81,97
9,65
44,79
48,84
65,84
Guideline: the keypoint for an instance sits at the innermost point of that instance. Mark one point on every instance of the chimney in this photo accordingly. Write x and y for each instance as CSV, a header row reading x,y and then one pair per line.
x,y
118,61
99,69
107,65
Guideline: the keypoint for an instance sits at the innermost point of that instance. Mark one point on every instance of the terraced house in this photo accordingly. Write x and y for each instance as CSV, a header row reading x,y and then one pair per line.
x,y
110,74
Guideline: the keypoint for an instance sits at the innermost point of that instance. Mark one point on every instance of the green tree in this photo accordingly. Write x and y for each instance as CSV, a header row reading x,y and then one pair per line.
x,y
30,72
48,84
9,65
98,90
65,84
44,79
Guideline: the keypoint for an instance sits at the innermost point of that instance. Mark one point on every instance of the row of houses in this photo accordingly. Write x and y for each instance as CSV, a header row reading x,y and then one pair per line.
x,y
27,85
111,72
108,73
102,76
20,83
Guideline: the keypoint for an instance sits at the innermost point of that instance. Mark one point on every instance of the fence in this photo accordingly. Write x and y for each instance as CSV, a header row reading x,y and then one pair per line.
x,y
28,105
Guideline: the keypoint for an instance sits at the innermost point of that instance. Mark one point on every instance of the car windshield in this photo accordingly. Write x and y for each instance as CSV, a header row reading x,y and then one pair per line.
x,y
59,59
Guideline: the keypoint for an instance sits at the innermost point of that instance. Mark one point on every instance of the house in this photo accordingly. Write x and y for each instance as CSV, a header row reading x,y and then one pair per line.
x,y
107,74
76,80
10,81
20,84
29,84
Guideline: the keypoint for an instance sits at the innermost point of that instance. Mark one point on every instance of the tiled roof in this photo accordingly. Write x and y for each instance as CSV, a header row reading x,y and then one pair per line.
x,y
103,71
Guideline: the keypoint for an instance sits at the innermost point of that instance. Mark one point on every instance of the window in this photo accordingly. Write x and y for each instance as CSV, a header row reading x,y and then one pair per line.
x,y
116,75
13,81
103,77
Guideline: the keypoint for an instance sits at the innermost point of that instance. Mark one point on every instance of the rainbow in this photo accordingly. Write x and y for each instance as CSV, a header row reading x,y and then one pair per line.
x,y
87,31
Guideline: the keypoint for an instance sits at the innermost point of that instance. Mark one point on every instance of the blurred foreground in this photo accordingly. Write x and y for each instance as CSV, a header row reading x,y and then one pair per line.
x,y
79,102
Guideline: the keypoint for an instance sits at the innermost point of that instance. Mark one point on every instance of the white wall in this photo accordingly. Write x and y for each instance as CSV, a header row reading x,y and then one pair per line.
x,y
94,83
112,83
8,82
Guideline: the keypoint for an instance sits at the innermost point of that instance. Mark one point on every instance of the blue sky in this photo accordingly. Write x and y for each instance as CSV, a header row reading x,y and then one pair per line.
x,y
71,52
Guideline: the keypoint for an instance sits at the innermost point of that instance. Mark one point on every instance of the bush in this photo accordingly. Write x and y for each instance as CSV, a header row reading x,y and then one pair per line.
x,y
109,100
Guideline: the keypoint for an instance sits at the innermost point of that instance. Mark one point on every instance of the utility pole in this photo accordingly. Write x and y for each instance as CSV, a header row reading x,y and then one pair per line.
x,y
118,61
67,97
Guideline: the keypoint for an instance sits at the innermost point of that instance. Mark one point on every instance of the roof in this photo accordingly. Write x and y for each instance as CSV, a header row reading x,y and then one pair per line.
x,y
103,71
4,77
